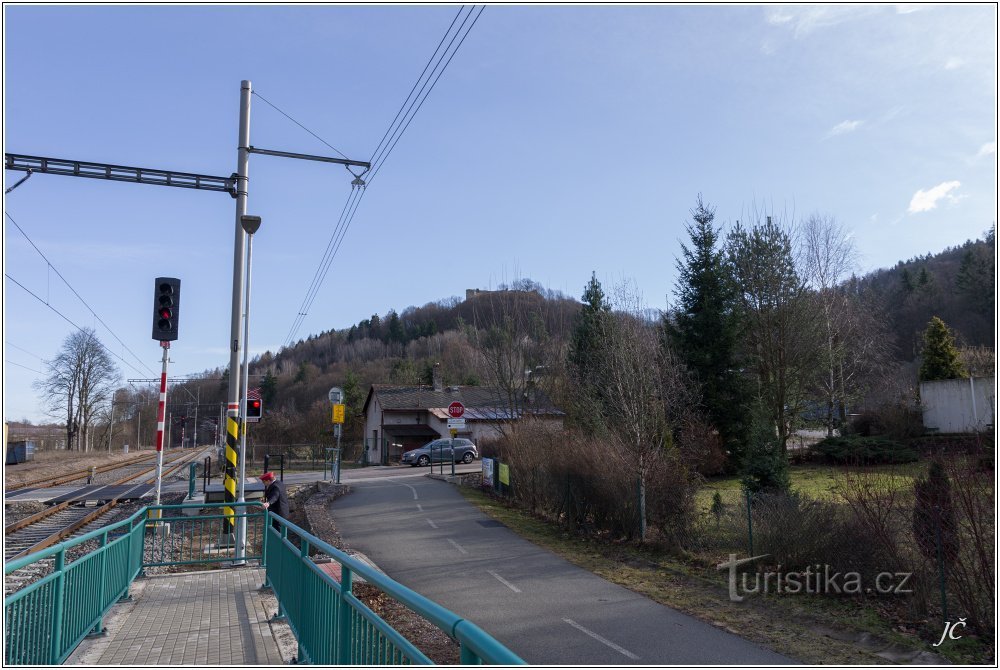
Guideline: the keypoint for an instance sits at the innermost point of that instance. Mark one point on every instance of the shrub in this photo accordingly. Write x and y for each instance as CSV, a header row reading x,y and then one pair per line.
x,y
862,451
591,484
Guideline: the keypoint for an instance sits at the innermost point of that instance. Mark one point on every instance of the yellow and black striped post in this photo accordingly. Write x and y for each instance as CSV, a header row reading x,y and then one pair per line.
x,y
229,477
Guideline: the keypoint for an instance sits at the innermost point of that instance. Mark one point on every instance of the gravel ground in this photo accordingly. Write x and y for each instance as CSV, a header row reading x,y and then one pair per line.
x,y
54,464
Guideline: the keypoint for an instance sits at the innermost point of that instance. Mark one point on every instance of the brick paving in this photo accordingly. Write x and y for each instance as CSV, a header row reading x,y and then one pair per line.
x,y
216,617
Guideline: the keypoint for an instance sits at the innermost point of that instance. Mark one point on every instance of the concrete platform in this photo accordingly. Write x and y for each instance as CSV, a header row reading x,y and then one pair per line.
x,y
216,617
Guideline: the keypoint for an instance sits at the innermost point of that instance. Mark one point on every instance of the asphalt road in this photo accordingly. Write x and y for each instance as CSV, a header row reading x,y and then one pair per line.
x,y
425,535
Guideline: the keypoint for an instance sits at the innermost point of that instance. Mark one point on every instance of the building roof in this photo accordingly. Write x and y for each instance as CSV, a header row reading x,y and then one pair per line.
x,y
481,402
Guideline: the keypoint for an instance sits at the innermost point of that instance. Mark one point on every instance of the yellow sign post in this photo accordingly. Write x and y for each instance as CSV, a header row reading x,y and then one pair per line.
x,y
338,413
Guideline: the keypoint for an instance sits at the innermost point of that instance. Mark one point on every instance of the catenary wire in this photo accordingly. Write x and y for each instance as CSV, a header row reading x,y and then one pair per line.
x,y
418,101
59,274
67,320
298,124
10,344
381,154
10,362
415,84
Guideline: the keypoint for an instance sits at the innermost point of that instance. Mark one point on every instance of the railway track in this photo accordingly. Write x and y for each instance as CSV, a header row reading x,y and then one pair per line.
x,y
69,519
81,475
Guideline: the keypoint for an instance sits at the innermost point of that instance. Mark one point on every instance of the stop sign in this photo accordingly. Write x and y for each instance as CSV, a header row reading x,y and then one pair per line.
x,y
456,410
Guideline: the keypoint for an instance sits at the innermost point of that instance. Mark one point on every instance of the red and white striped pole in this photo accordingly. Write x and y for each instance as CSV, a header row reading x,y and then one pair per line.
x,y
160,414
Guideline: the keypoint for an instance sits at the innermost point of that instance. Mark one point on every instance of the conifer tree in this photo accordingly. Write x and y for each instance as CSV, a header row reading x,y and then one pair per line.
x,y
940,357
585,352
704,330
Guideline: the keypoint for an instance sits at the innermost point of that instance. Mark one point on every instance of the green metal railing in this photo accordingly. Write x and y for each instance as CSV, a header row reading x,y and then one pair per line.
x,y
47,619
334,627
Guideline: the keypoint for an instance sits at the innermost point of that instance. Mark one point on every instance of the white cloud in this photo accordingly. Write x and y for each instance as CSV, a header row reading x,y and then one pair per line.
x,y
987,149
844,127
924,201
953,63
910,8
806,19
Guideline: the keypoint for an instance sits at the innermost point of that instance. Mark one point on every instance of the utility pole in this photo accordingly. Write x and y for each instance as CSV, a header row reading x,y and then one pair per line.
x,y
235,419
233,427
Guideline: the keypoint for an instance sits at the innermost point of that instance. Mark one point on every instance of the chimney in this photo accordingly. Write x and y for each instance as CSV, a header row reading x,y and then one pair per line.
x,y
438,386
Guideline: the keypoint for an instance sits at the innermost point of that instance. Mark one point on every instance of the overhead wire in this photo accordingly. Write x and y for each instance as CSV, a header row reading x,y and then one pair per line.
x,y
298,124
11,344
70,286
10,362
382,151
70,322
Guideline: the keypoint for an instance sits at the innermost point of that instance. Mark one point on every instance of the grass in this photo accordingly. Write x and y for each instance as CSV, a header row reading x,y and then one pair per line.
x,y
820,482
811,629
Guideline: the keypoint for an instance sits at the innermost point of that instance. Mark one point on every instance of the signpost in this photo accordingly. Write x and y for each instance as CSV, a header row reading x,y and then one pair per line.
x,y
336,396
456,410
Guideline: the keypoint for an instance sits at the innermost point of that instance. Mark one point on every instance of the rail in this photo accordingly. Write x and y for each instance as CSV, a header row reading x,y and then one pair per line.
x,y
47,619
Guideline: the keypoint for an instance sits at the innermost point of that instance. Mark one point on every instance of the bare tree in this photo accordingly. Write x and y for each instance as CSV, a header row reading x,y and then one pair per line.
x,y
827,256
81,378
642,389
516,355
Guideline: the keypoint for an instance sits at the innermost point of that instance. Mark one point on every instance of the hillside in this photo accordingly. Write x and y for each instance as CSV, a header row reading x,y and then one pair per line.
x,y
957,285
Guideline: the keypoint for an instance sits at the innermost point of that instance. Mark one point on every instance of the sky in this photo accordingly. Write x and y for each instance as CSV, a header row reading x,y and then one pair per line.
x,y
560,141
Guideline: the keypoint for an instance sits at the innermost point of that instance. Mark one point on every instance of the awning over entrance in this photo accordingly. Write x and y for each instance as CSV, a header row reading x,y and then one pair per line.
x,y
411,430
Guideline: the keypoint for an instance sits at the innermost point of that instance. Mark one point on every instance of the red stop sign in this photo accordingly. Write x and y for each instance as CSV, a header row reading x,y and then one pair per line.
x,y
456,410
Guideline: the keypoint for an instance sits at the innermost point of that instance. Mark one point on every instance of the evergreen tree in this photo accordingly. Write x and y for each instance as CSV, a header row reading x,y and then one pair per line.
x,y
394,330
975,280
585,351
704,330
268,388
940,357
906,280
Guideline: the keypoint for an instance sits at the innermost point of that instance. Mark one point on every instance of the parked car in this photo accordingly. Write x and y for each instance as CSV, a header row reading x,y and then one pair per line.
x,y
440,450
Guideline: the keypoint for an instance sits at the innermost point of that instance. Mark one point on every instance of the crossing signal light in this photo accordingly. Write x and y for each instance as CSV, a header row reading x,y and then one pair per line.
x,y
255,408
166,307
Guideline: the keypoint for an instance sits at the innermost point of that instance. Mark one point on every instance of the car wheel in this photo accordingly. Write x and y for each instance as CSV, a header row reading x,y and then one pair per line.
x,y
467,458
423,460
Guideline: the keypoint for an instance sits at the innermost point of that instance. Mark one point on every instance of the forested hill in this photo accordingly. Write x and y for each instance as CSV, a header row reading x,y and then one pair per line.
x,y
958,285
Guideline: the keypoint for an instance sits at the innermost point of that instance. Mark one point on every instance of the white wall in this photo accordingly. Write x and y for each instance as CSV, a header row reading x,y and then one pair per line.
x,y
958,405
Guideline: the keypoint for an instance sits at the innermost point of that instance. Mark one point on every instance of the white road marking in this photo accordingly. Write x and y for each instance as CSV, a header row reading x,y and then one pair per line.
x,y
420,507
393,480
433,525
504,582
602,640
460,548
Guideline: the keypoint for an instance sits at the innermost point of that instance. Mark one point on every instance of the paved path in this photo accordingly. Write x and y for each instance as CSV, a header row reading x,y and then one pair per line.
x,y
424,534
218,617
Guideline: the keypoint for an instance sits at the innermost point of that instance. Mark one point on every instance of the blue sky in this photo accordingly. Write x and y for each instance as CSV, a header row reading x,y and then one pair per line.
x,y
559,141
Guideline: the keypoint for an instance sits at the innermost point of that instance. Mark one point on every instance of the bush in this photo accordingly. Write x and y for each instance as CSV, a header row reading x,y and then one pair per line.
x,y
862,451
591,484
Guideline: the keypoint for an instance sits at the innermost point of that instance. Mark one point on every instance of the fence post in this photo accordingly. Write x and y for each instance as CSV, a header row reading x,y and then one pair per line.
x,y
940,562
344,618
57,613
749,522
642,509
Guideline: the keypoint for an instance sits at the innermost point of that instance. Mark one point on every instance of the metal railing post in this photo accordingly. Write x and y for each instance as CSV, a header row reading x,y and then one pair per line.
x,y
344,618
192,475
57,610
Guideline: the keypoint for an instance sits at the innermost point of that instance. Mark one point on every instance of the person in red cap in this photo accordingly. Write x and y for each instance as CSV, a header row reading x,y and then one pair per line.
x,y
275,497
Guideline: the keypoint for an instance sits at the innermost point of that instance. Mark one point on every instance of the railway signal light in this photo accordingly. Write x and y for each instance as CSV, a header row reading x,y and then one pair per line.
x,y
255,408
166,308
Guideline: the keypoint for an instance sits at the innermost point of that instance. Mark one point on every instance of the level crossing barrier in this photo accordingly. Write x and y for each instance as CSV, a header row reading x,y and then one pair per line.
x,y
47,619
